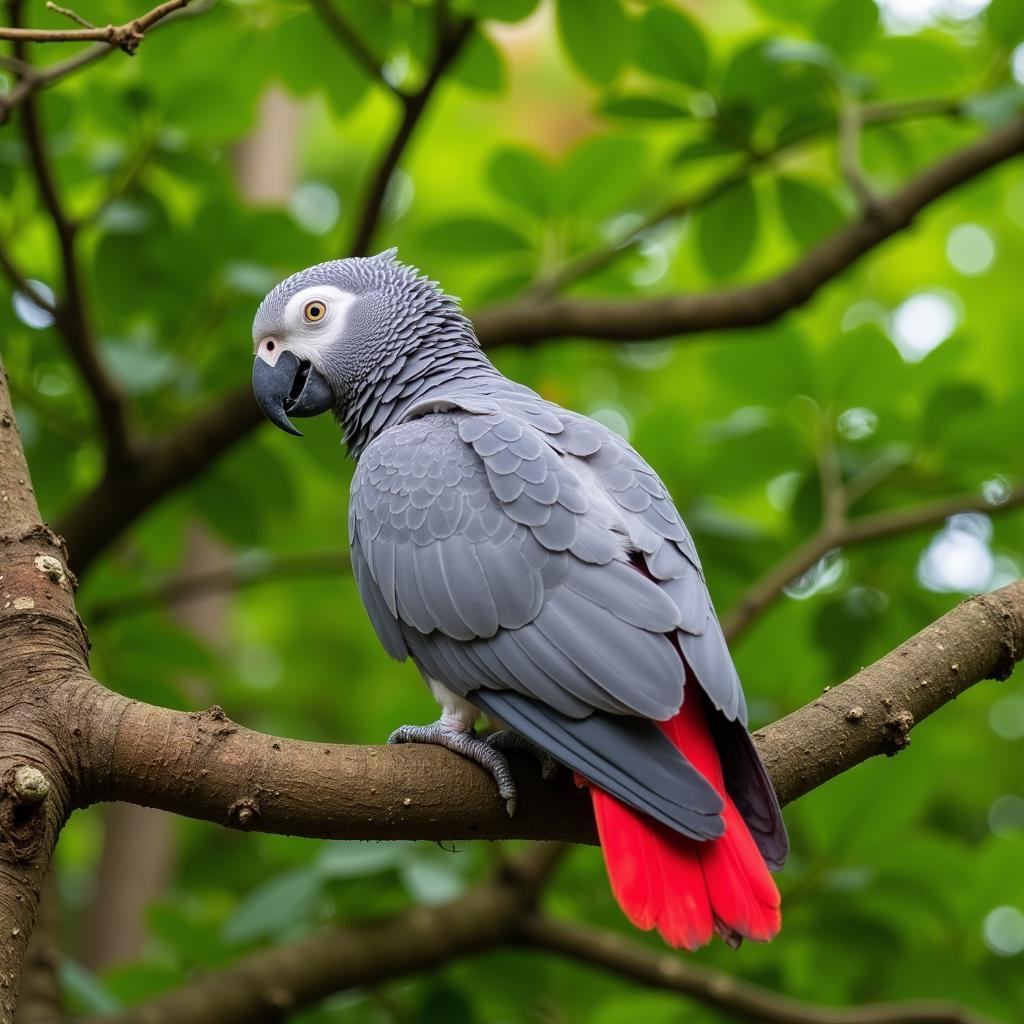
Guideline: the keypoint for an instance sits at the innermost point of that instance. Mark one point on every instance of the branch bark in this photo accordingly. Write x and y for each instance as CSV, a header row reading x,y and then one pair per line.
x,y
127,36
44,658
233,776
530,321
618,955
845,533
451,38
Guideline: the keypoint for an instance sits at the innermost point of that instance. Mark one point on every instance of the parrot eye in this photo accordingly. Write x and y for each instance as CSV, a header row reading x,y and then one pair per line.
x,y
314,311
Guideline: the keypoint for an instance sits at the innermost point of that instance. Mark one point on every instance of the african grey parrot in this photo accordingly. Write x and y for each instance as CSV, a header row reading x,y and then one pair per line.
x,y
536,571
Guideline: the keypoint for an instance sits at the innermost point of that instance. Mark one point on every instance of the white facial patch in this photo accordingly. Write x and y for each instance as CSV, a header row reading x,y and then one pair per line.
x,y
314,319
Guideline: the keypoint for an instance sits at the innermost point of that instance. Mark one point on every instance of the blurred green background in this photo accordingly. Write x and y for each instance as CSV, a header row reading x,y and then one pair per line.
x,y
236,148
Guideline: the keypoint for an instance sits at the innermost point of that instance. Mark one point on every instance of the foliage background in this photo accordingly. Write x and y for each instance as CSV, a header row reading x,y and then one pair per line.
x,y
559,128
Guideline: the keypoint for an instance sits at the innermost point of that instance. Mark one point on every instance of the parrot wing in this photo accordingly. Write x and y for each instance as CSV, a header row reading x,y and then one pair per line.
x,y
474,552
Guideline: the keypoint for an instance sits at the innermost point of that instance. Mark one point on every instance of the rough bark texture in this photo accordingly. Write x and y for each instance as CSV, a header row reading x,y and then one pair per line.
x,y
43,661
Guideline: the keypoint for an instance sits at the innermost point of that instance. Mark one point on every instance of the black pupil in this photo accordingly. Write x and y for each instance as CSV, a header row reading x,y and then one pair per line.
x,y
270,346
315,312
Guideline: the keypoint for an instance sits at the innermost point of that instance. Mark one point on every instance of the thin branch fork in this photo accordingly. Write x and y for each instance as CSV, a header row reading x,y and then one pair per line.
x,y
530,321
127,37
846,533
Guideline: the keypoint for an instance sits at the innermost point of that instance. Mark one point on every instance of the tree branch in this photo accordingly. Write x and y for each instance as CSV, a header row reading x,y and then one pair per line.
x,y
127,36
233,776
259,988
449,42
860,530
339,26
495,913
72,312
529,321
35,79
600,258
629,959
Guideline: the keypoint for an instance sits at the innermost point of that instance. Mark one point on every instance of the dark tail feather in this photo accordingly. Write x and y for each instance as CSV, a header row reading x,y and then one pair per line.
x,y
686,888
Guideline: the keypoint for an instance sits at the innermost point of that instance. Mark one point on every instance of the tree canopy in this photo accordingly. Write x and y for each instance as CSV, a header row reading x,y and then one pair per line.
x,y
774,243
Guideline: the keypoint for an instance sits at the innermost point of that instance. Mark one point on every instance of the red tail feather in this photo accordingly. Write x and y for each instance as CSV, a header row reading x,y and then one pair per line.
x,y
686,888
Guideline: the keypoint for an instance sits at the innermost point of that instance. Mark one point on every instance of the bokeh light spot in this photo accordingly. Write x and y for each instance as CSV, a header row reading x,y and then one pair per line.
x,y
921,324
970,249
1004,931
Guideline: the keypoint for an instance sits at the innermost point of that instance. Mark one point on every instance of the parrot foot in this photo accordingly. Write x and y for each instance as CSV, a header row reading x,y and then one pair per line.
x,y
507,739
468,744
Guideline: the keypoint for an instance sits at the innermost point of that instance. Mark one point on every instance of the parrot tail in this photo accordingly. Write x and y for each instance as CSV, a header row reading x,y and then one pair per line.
x,y
688,888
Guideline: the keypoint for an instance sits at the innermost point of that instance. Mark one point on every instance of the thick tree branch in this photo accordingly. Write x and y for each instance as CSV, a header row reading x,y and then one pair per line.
x,y
529,321
231,775
127,36
845,533
44,651
629,959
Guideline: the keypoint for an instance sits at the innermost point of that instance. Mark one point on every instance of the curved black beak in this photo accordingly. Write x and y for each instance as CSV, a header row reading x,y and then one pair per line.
x,y
291,387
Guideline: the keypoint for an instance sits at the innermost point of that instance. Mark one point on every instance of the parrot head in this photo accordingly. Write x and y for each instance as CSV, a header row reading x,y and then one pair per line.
x,y
322,335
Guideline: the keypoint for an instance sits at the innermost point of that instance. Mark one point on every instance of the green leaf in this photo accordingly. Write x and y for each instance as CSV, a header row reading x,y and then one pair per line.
x,y
86,989
431,876
276,906
808,211
727,230
601,174
702,149
351,859
520,177
480,65
643,107
672,46
846,26
444,1005
473,235
1005,20
595,34
502,10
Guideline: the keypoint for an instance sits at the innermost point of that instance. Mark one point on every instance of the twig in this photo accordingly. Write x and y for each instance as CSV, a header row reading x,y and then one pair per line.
x,y
450,41
127,36
34,79
738,998
68,13
851,122
859,530
339,25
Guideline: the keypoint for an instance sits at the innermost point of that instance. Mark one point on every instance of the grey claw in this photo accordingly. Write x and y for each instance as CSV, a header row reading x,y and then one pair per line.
x,y
506,739
469,745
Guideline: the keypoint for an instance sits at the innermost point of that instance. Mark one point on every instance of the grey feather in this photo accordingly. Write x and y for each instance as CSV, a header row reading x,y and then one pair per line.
x,y
479,548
